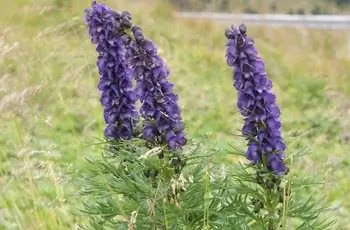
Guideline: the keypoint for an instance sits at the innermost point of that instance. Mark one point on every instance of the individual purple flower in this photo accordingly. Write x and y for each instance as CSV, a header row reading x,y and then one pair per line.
x,y
107,30
159,109
256,102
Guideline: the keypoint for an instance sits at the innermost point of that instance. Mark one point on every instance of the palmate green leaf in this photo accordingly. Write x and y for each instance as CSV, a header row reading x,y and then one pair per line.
x,y
317,224
210,193
193,206
116,188
308,211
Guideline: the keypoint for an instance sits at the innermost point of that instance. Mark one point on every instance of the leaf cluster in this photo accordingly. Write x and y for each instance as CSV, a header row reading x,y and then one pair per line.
x,y
136,187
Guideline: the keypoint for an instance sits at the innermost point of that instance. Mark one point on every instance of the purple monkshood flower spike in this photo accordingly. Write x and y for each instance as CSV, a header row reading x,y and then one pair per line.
x,y
159,109
256,102
107,30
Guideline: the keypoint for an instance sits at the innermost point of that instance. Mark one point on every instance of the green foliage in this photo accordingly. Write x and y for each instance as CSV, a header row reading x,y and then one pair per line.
x,y
132,187
341,2
272,6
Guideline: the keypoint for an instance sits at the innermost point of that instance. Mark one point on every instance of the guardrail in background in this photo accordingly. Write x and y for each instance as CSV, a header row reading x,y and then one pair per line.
x,y
282,20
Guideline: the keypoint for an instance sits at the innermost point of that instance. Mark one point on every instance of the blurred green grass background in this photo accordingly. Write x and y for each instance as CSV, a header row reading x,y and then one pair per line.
x,y
51,117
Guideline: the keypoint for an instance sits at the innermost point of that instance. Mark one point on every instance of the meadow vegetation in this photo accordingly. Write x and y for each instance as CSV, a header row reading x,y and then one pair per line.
x,y
51,118
270,6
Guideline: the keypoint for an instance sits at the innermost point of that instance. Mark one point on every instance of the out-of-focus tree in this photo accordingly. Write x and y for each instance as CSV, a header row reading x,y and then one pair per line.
x,y
317,10
300,11
341,2
250,10
273,7
225,5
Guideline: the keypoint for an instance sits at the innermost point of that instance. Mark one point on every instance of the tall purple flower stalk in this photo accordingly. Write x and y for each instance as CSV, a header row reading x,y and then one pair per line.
x,y
159,109
256,102
107,30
